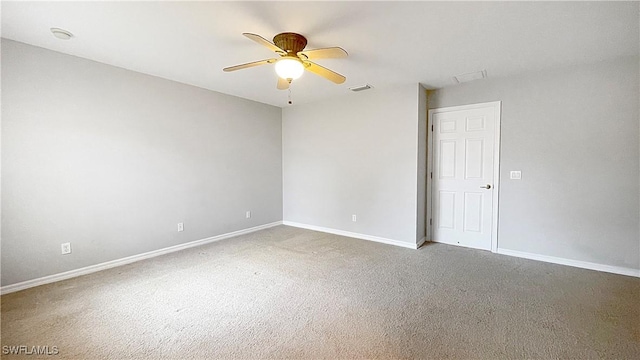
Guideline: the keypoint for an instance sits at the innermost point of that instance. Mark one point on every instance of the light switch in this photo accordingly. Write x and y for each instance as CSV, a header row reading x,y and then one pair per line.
x,y
516,175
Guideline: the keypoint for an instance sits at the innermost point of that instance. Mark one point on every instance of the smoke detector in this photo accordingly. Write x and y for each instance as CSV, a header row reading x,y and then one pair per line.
x,y
61,33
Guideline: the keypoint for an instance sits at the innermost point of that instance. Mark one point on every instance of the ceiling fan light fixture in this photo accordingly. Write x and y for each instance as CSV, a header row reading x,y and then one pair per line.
x,y
293,61
289,67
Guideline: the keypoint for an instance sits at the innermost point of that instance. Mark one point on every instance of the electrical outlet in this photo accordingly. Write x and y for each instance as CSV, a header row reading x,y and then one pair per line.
x,y
180,226
66,248
515,175
354,218
248,215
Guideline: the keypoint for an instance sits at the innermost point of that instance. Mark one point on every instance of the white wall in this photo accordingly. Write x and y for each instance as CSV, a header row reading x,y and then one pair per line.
x,y
354,155
422,163
111,160
574,134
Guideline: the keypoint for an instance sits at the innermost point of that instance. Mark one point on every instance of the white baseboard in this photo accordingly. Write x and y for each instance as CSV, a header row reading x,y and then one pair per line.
x,y
352,234
127,260
575,263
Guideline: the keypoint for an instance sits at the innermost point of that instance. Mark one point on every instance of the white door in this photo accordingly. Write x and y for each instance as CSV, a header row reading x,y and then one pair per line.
x,y
464,186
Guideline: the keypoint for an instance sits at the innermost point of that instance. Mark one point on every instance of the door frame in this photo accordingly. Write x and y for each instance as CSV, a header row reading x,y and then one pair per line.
x,y
497,105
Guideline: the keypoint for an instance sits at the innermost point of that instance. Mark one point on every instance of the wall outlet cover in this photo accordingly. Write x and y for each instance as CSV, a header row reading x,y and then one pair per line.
x,y
515,175
65,248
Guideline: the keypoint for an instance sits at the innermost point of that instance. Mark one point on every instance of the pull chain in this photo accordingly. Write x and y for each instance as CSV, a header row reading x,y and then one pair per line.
x,y
290,102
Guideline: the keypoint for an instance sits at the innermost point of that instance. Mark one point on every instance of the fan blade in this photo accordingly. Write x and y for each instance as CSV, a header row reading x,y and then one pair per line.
x,y
324,72
264,42
324,53
248,65
283,84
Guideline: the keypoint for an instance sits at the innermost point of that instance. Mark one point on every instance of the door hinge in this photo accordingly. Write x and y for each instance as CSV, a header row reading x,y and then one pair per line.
x,y
431,175
430,221
431,127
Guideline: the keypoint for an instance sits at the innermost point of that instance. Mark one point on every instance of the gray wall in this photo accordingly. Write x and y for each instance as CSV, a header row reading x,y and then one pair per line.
x,y
111,160
354,155
573,133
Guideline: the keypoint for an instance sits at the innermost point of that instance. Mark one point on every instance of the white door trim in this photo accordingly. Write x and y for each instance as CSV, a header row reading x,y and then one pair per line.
x,y
497,105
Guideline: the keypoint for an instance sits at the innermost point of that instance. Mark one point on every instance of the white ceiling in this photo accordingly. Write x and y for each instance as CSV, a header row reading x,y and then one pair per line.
x,y
389,43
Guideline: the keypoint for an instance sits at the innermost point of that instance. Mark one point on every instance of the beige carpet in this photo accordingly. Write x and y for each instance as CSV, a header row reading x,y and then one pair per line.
x,y
292,293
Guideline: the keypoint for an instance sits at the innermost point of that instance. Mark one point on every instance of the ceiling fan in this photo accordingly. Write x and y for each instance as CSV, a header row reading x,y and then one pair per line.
x,y
294,59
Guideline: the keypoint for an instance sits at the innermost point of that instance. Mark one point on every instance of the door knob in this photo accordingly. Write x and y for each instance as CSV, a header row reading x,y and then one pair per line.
x,y
486,187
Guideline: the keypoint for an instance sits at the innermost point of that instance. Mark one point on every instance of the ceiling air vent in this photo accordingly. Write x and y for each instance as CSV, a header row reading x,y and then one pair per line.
x,y
361,87
470,76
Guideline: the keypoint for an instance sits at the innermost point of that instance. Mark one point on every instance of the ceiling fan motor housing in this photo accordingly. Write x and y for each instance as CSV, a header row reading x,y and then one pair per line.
x,y
292,43
293,61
